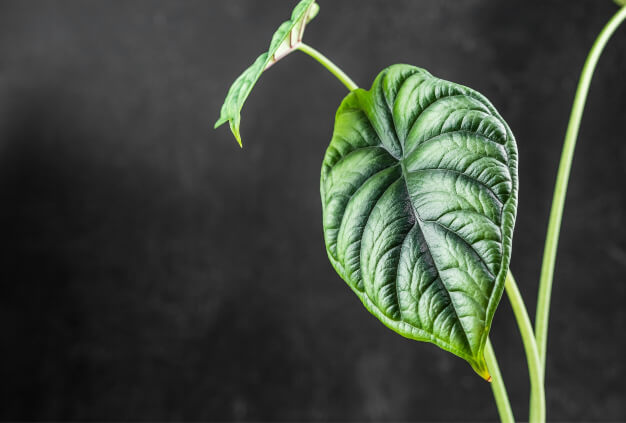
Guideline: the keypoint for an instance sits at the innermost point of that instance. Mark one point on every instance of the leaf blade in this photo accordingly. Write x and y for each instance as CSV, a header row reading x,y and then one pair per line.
x,y
433,245
283,42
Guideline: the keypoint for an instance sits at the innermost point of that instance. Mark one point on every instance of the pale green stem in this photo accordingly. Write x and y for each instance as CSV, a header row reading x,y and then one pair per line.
x,y
537,394
332,68
497,386
558,201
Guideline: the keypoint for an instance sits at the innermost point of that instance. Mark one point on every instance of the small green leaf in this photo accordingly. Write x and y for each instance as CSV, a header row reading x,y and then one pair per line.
x,y
285,40
621,2
419,196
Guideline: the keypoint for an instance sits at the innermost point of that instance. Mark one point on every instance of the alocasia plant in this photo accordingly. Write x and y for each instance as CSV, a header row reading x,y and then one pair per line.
x,y
419,197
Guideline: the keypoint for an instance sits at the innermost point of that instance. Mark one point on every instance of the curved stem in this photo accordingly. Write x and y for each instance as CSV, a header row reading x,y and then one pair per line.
x,y
558,202
537,393
497,386
332,68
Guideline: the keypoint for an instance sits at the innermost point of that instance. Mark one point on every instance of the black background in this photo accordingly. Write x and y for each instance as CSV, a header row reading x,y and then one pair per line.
x,y
153,270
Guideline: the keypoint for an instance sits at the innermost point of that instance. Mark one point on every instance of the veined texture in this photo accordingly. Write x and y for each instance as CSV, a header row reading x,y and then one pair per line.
x,y
419,196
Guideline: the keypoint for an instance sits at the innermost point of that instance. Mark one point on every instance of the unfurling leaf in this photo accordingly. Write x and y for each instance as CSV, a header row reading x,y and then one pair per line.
x,y
419,197
285,40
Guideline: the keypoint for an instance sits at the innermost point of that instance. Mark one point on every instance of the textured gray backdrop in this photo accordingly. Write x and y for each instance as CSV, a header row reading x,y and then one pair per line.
x,y
152,270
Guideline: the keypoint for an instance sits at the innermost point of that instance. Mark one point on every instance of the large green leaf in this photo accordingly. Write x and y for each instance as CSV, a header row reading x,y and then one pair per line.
x,y
286,39
419,196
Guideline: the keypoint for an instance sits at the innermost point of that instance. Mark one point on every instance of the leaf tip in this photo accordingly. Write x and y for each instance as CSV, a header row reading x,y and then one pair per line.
x,y
236,133
315,9
233,128
481,369
219,123
485,375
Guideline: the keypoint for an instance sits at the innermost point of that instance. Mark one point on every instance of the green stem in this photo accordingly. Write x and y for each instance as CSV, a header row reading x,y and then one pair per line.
x,y
332,68
537,394
497,386
558,201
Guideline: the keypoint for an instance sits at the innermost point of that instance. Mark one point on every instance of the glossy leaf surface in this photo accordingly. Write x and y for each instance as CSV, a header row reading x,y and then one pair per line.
x,y
419,196
285,40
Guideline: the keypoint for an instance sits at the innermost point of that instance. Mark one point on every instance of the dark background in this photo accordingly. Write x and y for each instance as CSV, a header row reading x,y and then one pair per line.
x,y
152,270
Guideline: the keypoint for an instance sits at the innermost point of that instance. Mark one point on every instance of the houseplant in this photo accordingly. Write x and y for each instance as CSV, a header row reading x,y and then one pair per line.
x,y
419,193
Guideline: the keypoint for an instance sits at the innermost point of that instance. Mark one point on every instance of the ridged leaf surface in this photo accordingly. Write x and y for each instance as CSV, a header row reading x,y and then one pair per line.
x,y
419,194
